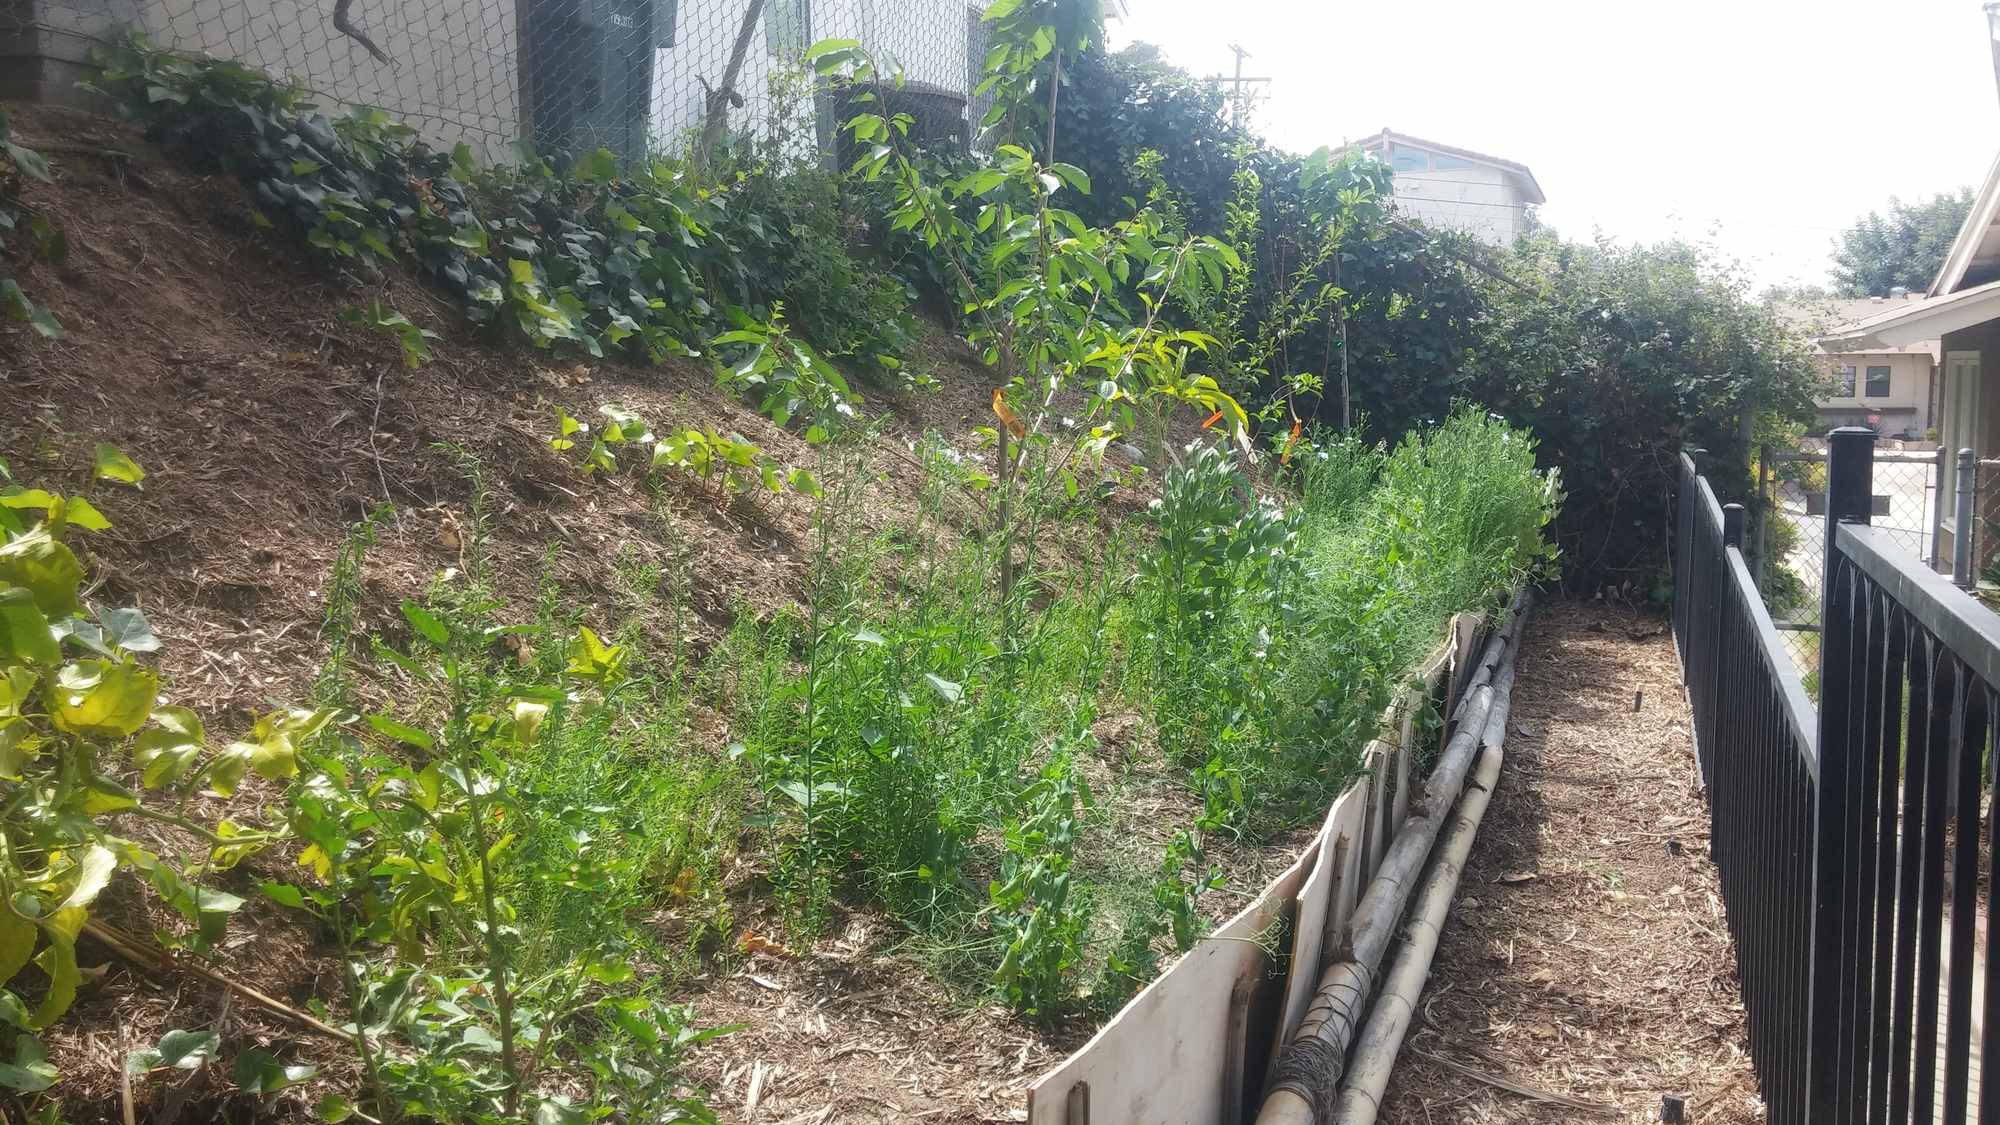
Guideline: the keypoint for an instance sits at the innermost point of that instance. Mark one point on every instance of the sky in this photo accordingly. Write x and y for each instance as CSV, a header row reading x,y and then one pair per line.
x,y
1760,126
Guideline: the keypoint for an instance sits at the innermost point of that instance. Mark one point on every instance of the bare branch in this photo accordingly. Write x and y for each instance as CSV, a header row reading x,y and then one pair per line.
x,y
345,27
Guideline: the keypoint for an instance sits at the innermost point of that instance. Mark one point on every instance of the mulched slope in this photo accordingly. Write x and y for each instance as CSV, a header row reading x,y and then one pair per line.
x,y
1587,956
213,354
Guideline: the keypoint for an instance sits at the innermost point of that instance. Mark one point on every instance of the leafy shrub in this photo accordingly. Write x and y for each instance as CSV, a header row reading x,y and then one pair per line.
x,y
431,827
76,704
639,258
19,163
1617,360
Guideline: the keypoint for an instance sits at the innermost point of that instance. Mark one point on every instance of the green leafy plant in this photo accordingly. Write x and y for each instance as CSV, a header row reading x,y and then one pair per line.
x,y
729,462
1039,910
79,710
19,163
414,342
420,836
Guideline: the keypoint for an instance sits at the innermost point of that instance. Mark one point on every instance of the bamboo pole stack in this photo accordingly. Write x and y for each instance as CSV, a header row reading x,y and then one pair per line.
x,y
1306,1084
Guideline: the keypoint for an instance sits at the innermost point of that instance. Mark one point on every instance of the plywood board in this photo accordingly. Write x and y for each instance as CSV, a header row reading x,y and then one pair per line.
x,y
1160,1060
1326,898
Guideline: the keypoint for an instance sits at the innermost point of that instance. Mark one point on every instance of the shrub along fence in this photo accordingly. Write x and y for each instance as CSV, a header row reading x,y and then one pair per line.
x,y
1856,841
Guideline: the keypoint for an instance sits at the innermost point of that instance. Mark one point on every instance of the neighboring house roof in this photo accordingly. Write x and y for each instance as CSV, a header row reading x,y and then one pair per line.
x,y
1822,320
1927,319
1530,189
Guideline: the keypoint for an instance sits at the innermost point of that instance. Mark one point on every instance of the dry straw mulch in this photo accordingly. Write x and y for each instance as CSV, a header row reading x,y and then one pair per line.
x,y
1587,963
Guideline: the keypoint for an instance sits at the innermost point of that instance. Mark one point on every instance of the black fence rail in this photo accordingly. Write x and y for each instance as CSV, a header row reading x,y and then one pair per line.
x,y
1856,841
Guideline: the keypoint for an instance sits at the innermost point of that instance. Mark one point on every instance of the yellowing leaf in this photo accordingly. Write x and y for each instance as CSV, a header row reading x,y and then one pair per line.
x,y
78,512
93,873
112,464
592,659
1006,414
17,942
25,637
59,962
528,716
103,699
316,859
48,570
166,750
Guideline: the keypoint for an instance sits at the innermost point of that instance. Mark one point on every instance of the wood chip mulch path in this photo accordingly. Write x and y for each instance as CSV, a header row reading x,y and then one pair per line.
x,y
1586,970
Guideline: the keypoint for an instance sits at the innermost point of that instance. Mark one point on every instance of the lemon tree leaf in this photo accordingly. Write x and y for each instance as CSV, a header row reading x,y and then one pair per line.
x,y
30,1072
129,630
17,942
426,623
400,732
256,1072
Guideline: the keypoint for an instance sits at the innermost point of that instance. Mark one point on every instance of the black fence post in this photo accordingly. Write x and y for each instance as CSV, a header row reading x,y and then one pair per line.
x,y
1732,526
1849,486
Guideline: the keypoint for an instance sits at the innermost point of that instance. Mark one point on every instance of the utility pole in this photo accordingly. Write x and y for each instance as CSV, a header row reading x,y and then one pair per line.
x,y
1993,31
1239,93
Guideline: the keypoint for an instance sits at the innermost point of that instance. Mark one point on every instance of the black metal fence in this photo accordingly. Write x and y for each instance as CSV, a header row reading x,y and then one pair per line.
x,y
1788,555
1855,842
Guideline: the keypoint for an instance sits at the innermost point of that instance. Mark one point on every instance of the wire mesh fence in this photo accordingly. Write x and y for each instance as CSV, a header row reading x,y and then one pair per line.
x,y
1790,545
639,77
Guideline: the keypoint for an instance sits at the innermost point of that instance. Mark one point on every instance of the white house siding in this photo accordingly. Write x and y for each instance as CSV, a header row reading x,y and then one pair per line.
x,y
927,38
452,73
1479,200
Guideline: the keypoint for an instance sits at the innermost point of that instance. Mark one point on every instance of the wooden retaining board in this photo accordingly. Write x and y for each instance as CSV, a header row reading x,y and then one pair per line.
x,y
1161,1060
1178,1052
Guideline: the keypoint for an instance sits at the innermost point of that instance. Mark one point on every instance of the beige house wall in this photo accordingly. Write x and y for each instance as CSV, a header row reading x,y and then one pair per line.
x,y
1904,412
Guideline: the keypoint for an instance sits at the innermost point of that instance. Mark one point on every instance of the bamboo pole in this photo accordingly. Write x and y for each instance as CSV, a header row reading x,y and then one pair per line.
x,y
1307,1078
1382,1037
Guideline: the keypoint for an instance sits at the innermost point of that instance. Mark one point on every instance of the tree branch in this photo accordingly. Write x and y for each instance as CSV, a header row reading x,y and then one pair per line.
x,y
345,27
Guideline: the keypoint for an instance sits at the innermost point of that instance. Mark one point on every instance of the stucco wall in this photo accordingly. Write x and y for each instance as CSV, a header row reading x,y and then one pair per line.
x,y
1479,200
1904,412
451,73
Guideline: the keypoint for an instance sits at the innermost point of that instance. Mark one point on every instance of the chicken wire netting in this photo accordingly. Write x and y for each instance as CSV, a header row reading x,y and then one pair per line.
x,y
640,77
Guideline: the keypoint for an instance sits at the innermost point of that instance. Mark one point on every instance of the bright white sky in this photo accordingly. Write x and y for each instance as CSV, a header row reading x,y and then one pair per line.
x,y
1761,126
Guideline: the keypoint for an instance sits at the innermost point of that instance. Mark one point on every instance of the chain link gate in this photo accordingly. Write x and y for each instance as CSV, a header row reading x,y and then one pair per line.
x,y
1790,547
639,77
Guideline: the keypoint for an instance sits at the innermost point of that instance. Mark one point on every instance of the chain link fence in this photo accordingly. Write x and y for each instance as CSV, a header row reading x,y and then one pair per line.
x,y
1790,545
640,77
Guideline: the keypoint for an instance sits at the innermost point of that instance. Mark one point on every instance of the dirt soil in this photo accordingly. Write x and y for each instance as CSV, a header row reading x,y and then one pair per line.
x,y
1586,964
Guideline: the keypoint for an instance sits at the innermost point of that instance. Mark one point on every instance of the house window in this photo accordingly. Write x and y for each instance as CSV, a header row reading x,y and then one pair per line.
x,y
1878,382
1440,162
1846,381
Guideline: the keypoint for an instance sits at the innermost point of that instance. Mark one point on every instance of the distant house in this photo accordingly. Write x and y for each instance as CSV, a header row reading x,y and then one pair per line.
x,y
1888,388
1962,312
1456,188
